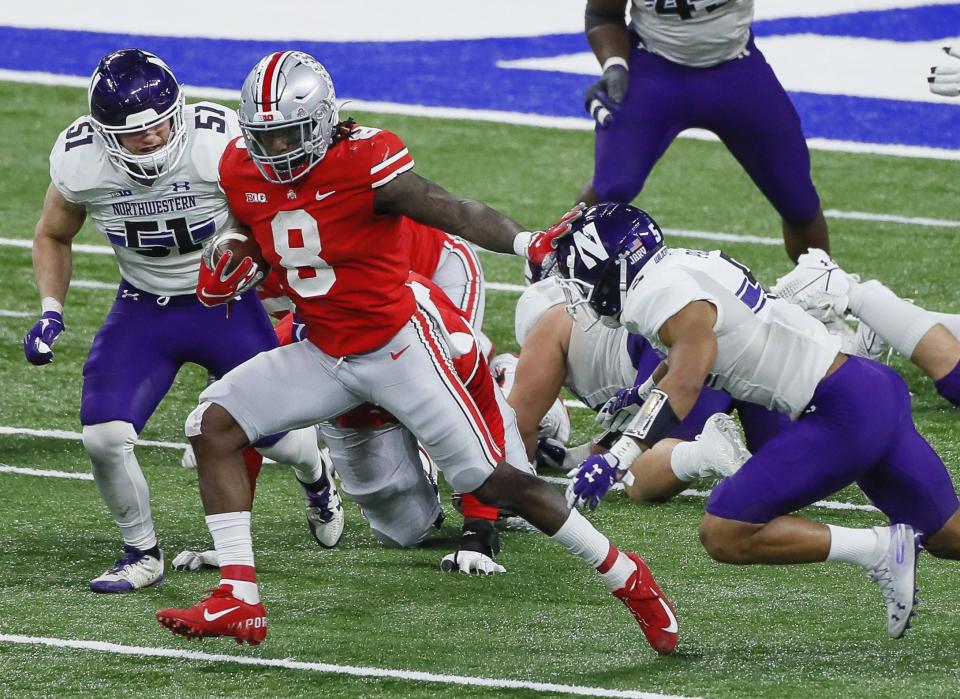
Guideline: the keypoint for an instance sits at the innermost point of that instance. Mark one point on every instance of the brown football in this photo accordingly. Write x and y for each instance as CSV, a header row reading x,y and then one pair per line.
x,y
241,245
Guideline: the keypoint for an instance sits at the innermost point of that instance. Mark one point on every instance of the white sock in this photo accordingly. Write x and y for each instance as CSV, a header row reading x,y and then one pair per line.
x,y
685,461
951,321
899,323
234,544
299,449
862,547
582,539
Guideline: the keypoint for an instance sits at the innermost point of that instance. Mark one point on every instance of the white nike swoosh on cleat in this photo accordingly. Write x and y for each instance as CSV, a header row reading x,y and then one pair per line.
x,y
672,628
213,617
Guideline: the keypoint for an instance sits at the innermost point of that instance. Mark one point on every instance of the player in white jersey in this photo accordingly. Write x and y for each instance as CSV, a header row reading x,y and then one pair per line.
x,y
610,369
144,168
828,293
682,64
852,416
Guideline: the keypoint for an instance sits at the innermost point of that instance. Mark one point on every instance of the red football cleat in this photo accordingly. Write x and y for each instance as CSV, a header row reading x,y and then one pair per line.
x,y
650,608
220,614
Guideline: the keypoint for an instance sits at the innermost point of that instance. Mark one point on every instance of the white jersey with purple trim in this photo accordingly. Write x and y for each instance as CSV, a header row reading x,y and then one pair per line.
x,y
769,351
156,230
695,33
598,363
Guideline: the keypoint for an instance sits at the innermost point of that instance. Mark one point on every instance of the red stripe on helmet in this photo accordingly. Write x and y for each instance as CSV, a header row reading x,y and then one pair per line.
x,y
267,79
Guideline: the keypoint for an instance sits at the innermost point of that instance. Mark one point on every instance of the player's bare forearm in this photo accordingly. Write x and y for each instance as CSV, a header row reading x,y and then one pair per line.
x,y
59,223
693,351
606,29
429,203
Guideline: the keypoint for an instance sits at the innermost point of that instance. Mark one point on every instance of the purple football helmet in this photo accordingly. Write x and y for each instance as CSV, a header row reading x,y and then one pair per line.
x,y
605,250
133,90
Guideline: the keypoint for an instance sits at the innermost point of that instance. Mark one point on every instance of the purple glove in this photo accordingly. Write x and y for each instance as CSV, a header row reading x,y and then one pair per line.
x,y
596,476
38,343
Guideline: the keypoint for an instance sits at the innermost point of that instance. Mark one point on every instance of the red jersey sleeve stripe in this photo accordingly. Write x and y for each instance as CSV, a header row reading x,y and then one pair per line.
x,y
393,174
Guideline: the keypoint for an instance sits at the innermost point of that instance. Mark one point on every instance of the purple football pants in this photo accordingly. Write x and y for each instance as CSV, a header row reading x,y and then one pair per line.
x,y
141,346
858,429
741,101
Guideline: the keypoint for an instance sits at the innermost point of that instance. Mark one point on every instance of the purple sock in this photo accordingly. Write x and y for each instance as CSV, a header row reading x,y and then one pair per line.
x,y
949,386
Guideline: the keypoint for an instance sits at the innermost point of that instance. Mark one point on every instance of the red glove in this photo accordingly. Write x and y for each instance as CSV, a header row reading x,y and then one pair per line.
x,y
216,286
540,246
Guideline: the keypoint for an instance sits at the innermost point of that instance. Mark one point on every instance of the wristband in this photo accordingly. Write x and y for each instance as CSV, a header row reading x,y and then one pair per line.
x,y
48,303
521,243
627,451
655,420
615,61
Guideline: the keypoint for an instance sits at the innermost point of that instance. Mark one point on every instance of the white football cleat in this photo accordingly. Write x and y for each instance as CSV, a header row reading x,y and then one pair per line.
x,y
468,562
722,446
817,285
135,570
870,345
896,574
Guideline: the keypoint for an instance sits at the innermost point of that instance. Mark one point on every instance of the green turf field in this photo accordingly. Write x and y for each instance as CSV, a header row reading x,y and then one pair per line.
x,y
746,632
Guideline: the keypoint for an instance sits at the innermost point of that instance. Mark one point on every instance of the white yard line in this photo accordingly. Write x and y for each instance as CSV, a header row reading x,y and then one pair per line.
x,y
691,493
501,117
45,473
16,314
892,218
332,669
75,436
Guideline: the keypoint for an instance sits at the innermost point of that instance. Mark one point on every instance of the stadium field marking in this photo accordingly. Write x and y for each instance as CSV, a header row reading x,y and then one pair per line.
x,y
45,473
332,669
691,493
76,436
892,218
16,314
499,117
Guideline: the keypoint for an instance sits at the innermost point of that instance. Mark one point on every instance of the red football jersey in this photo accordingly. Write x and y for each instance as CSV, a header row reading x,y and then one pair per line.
x,y
341,264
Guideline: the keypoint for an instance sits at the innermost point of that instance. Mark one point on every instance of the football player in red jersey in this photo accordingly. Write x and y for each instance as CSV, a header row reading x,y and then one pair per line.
x,y
324,200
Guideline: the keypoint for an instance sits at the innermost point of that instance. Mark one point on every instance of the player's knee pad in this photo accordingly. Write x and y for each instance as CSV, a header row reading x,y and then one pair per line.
x,y
191,427
297,447
108,441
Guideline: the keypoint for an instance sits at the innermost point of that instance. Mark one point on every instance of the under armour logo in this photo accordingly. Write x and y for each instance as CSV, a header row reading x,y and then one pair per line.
x,y
124,294
589,476
180,186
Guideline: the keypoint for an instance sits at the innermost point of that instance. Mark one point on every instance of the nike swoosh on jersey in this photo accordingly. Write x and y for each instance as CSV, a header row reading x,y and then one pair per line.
x,y
216,615
396,355
321,197
672,628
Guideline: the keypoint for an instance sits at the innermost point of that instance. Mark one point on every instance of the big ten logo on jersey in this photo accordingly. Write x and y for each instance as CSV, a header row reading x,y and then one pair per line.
x,y
118,193
161,238
684,9
256,197
588,246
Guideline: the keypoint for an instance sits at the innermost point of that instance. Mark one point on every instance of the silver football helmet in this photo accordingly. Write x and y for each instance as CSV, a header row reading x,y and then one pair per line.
x,y
288,115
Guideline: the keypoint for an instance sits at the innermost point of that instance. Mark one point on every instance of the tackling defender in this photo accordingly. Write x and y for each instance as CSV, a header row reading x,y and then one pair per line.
x,y
323,199
610,370
143,166
852,416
